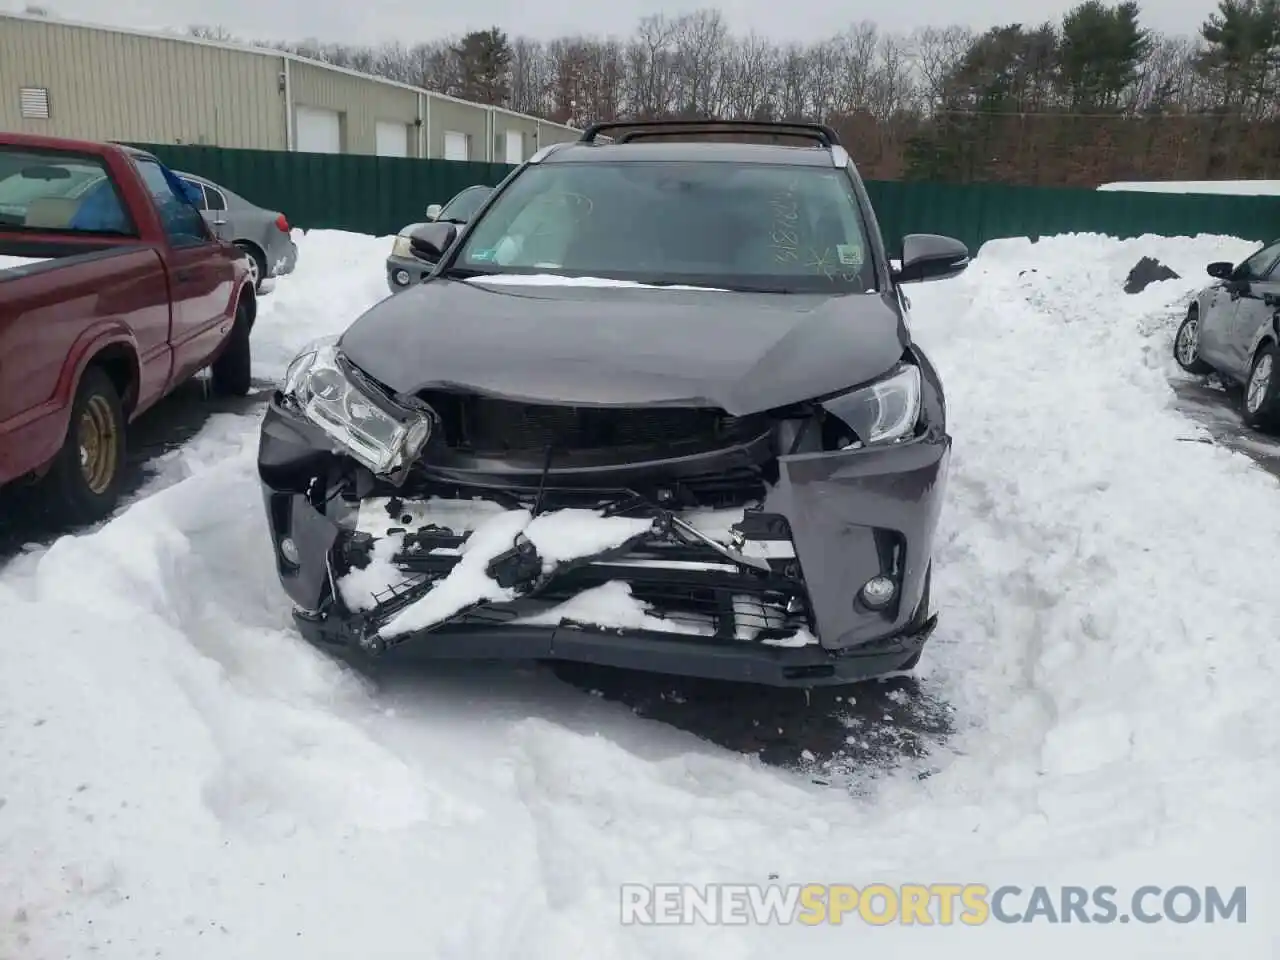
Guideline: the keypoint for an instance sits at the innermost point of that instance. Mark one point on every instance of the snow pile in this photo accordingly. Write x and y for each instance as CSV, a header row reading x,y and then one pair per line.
x,y
1107,629
338,276
182,776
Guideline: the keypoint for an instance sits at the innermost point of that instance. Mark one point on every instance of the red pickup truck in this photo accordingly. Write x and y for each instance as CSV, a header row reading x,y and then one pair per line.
x,y
113,292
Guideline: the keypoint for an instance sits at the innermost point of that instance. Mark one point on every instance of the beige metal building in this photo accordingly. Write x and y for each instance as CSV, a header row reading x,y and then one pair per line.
x,y
108,83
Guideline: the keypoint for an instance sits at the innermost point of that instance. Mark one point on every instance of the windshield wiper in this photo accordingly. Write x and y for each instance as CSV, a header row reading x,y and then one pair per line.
x,y
466,273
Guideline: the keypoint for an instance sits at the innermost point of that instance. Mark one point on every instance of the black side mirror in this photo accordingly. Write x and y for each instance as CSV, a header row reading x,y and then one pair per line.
x,y
927,256
431,240
1222,270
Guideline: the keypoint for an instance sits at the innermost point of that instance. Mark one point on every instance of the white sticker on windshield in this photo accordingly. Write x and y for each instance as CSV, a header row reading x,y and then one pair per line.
x,y
850,255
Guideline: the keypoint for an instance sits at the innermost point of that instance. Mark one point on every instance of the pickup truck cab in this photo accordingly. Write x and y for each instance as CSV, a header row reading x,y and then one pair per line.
x,y
113,291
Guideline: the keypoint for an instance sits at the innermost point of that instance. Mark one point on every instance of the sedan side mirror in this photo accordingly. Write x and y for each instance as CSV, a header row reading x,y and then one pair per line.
x,y
927,256
433,211
1222,270
431,240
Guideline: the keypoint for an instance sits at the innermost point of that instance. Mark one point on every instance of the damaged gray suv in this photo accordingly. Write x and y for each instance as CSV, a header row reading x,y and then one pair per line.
x,y
657,406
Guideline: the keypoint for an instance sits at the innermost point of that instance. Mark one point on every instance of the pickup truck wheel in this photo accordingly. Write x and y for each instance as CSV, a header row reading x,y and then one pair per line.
x,y
86,476
232,370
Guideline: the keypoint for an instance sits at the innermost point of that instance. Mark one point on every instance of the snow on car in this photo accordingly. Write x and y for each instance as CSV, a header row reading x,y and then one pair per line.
x,y
182,775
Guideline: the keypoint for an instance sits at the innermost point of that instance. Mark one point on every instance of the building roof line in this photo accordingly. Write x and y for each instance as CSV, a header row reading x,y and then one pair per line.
x,y
271,52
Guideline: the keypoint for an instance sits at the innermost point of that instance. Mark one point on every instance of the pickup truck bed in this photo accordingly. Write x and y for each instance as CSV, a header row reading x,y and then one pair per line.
x,y
112,293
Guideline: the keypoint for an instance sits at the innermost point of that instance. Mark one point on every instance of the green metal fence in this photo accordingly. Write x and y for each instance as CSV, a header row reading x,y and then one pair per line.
x,y
379,195
978,212
376,195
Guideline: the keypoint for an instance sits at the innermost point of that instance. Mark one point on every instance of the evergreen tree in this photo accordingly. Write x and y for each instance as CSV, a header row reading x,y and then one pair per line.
x,y
1241,55
1101,53
484,59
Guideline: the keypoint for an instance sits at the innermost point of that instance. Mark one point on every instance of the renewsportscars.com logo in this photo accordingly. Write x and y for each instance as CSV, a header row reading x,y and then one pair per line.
x,y
944,904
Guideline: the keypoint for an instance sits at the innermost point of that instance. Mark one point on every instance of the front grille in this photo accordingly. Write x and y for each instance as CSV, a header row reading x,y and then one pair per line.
x,y
487,425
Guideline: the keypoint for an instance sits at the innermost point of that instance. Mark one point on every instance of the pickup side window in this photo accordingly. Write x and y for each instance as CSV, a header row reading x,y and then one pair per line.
x,y
182,222
52,191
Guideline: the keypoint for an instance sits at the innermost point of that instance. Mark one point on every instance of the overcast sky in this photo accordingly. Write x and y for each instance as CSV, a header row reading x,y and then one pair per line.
x,y
373,21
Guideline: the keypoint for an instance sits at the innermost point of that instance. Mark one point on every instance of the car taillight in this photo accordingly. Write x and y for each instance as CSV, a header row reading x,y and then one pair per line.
x,y
282,224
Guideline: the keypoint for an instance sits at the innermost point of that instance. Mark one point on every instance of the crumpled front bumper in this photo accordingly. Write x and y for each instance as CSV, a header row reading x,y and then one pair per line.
x,y
832,522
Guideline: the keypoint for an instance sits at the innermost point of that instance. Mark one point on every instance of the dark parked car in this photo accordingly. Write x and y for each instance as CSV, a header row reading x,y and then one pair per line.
x,y
404,268
658,408
1233,327
264,235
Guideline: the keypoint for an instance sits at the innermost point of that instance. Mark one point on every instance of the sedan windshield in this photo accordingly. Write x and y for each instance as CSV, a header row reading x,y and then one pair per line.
x,y
463,206
738,227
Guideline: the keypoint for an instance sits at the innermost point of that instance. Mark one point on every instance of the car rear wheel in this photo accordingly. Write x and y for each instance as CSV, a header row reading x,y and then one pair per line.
x,y
1186,345
86,476
1261,399
232,371
257,264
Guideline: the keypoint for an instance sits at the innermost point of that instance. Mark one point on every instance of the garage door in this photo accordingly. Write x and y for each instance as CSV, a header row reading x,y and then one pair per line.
x,y
392,138
515,146
319,131
455,146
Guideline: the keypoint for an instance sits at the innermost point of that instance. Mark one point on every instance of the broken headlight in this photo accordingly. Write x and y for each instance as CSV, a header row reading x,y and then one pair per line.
x,y
330,393
881,412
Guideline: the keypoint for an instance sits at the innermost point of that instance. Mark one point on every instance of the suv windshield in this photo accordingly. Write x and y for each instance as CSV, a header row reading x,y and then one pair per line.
x,y
740,227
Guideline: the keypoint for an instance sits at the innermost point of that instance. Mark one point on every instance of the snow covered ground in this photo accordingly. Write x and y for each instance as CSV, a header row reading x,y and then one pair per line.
x,y
180,776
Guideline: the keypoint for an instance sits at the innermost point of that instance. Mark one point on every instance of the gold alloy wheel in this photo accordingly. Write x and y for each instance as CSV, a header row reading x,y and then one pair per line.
x,y
99,451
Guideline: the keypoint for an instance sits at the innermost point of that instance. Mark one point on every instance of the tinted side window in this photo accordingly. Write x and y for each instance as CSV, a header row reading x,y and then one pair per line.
x,y
199,188
53,191
216,200
182,222
1261,263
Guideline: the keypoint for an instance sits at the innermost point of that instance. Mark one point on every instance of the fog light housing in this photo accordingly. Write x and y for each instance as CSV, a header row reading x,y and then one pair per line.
x,y
878,592
402,277
289,550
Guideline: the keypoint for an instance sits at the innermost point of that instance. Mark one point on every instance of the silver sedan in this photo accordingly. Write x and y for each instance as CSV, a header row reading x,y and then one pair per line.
x,y
1232,328
264,235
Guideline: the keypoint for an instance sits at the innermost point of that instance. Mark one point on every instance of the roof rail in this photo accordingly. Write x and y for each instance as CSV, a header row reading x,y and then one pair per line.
x,y
645,129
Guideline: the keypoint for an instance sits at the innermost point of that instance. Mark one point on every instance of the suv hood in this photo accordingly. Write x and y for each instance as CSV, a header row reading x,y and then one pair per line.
x,y
584,343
